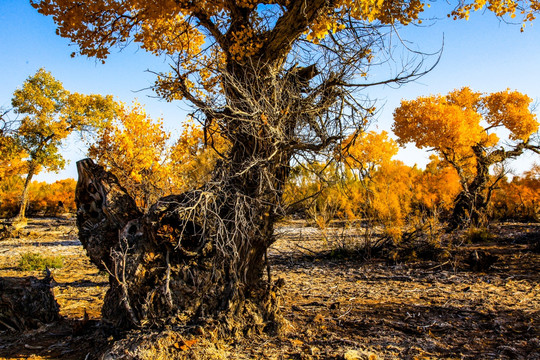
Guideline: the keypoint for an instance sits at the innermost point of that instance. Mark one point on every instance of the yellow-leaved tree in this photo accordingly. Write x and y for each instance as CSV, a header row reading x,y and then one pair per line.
x,y
134,147
437,187
138,151
519,199
315,191
386,184
462,128
47,115
193,157
12,166
276,79
11,161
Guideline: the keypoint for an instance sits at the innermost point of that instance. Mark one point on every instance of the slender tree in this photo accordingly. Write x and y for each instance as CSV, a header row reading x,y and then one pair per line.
x,y
47,115
275,79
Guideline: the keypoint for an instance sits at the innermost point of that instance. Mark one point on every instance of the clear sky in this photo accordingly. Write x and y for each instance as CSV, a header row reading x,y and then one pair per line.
x,y
482,53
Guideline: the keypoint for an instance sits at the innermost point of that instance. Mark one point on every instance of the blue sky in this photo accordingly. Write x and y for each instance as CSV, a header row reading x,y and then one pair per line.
x,y
482,53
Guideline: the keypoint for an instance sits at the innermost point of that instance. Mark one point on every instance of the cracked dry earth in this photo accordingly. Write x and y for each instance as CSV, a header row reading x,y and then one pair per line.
x,y
336,308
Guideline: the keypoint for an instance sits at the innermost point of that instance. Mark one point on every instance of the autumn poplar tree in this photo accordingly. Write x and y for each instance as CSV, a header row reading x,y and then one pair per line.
x,y
274,79
462,127
134,147
12,164
194,155
47,115
140,153
386,183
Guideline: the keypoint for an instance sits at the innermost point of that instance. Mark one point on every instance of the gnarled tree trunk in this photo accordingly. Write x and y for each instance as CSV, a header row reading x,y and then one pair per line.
x,y
191,258
470,206
201,255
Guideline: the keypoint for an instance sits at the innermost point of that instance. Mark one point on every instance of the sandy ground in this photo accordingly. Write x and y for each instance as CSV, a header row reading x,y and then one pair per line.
x,y
335,305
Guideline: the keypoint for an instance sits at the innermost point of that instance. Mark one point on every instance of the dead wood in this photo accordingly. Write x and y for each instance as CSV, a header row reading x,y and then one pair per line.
x,y
26,303
480,260
9,230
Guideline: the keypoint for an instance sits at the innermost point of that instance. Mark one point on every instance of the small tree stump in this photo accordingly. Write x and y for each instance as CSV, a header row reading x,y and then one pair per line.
x,y
480,261
26,303
8,231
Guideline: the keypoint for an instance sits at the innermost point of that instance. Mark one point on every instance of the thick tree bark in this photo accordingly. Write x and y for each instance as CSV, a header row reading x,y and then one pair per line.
x,y
469,210
470,205
192,258
200,256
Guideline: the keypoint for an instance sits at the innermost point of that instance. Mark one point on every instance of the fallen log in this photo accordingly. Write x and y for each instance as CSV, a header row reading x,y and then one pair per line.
x,y
26,303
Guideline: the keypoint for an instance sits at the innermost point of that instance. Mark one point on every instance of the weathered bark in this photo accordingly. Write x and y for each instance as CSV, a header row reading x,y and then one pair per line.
x,y
103,209
469,210
470,206
201,255
26,303
194,257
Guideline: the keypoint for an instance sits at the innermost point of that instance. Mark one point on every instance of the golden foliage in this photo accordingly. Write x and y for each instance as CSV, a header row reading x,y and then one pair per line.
x,y
10,193
49,114
368,150
169,25
194,155
392,193
519,199
372,186
137,150
454,124
45,199
12,164
511,8
134,147
204,35
436,187
53,199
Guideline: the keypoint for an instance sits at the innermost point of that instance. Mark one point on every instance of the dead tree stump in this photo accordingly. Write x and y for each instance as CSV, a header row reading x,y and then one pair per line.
x,y
26,303
480,261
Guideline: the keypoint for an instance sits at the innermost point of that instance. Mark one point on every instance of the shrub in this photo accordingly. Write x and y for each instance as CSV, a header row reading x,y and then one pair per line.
x,y
34,261
478,235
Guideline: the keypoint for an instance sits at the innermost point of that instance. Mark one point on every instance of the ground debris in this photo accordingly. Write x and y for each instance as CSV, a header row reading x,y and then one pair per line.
x,y
359,355
332,305
480,260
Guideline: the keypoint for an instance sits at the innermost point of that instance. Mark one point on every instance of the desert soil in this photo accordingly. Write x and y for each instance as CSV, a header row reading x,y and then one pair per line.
x,y
336,306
